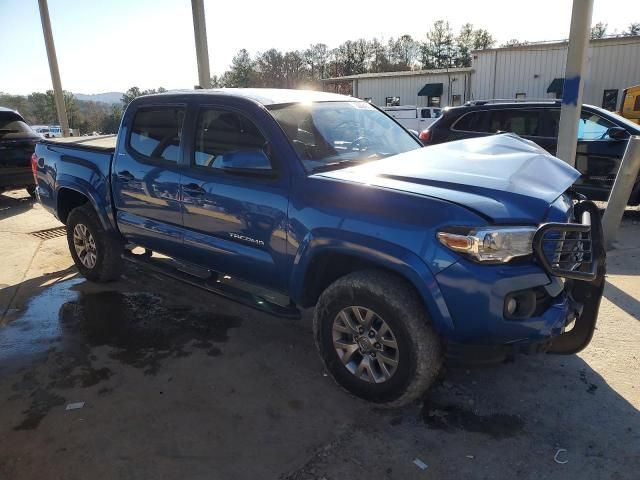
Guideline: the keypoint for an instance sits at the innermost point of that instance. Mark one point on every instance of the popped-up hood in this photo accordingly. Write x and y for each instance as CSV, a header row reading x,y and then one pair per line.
x,y
502,177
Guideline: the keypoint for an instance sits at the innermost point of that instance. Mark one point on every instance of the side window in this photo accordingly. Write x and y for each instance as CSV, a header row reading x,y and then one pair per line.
x,y
437,112
470,122
155,132
228,140
520,122
425,113
593,127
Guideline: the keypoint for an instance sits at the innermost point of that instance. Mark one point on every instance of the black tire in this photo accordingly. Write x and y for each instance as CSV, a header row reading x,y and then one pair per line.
x,y
419,350
108,246
31,190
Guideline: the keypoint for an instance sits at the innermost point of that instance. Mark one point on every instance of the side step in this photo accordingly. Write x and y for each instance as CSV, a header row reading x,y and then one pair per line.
x,y
248,295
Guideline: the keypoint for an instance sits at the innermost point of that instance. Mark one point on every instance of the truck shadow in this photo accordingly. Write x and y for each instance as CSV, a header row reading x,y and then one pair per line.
x,y
540,404
10,206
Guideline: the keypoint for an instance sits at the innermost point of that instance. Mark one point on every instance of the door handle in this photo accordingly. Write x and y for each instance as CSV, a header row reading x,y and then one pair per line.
x,y
193,189
125,176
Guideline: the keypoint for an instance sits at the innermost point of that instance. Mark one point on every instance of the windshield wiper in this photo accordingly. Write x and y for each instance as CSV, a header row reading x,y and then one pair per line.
x,y
8,130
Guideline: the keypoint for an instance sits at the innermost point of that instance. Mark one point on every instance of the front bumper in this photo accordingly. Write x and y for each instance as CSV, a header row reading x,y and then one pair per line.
x,y
475,294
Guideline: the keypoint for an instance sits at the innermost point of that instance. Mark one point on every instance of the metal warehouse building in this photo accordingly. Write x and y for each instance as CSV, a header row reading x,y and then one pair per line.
x,y
530,71
426,88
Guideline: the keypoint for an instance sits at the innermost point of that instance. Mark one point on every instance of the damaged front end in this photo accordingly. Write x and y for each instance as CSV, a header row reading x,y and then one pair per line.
x,y
576,253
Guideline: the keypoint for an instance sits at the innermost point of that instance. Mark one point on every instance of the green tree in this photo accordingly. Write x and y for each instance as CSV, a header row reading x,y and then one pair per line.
x,y
270,67
242,72
464,45
482,39
135,92
317,59
437,50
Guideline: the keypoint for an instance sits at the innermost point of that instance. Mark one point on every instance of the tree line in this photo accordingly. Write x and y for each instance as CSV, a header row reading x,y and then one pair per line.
x,y
441,48
86,116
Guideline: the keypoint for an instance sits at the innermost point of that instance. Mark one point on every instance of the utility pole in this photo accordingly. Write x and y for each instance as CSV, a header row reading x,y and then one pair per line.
x,y
622,187
202,51
53,67
573,80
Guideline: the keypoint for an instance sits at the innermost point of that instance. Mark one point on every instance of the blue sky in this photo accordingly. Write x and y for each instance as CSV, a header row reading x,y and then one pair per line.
x,y
112,45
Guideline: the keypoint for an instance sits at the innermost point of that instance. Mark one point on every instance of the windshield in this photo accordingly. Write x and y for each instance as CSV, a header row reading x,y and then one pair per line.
x,y
329,135
12,126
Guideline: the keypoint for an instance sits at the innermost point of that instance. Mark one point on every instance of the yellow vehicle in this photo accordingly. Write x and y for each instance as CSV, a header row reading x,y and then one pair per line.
x,y
630,106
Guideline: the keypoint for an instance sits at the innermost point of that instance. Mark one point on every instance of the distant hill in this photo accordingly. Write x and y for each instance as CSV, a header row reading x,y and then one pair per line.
x,y
108,97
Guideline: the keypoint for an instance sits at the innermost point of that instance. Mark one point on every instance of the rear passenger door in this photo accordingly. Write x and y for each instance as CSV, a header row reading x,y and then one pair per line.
x,y
235,198
146,178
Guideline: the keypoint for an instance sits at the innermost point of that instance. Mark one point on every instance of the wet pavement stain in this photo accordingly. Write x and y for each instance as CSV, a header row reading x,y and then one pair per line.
x,y
37,330
41,402
52,341
452,417
142,329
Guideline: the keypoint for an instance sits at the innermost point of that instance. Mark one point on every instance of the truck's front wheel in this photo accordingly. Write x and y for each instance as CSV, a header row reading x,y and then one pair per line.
x,y
375,338
96,252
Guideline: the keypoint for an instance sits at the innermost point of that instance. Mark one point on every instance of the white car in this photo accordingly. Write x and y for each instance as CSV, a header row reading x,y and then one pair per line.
x,y
414,118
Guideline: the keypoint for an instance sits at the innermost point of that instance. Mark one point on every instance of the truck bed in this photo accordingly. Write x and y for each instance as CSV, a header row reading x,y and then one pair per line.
x,y
104,143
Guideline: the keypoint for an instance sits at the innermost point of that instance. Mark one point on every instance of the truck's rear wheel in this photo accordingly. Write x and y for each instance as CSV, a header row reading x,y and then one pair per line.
x,y
374,336
96,252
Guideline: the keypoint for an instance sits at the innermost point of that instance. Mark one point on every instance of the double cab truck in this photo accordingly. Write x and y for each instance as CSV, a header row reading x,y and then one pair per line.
x,y
287,200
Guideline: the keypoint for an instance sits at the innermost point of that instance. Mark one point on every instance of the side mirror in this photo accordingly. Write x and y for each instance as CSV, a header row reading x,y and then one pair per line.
x,y
617,133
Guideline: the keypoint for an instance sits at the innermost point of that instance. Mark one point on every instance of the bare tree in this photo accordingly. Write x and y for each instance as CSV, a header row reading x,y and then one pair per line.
x,y
599,30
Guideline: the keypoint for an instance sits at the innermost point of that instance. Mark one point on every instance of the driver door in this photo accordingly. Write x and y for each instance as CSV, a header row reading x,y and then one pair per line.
x,y
235,199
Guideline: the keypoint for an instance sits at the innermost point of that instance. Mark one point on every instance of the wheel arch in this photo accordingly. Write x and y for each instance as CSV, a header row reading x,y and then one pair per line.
x,y
321,260
70,195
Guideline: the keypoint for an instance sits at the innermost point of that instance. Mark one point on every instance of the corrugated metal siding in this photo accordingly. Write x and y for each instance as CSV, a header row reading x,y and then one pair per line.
x,y
611,65
407,87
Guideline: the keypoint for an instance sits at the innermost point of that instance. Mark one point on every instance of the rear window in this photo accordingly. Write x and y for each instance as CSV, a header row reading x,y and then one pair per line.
x,y
12,126
156,132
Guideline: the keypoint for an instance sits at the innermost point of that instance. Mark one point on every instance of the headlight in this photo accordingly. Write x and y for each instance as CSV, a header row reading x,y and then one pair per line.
x,y
491,244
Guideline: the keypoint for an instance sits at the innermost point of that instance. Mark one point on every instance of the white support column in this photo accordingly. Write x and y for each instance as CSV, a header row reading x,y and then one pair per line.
x,y
202,51
53,67
625,179
574,80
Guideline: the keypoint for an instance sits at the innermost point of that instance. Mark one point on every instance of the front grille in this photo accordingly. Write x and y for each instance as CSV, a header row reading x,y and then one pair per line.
x,y
571,250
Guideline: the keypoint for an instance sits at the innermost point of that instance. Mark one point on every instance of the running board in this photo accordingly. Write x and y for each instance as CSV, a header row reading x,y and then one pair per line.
x,y
250,296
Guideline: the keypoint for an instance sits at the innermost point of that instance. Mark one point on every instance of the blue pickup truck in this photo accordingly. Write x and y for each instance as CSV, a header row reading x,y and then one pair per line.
x,y
286,199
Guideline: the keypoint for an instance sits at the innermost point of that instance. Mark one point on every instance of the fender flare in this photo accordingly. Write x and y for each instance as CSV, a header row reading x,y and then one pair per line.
x,y
380,252
95,198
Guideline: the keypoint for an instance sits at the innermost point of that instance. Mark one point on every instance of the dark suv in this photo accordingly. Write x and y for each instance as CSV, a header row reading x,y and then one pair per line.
x,y
602,136
17,144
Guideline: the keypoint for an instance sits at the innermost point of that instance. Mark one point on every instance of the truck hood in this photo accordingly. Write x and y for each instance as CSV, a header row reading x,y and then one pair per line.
x,y
502,177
